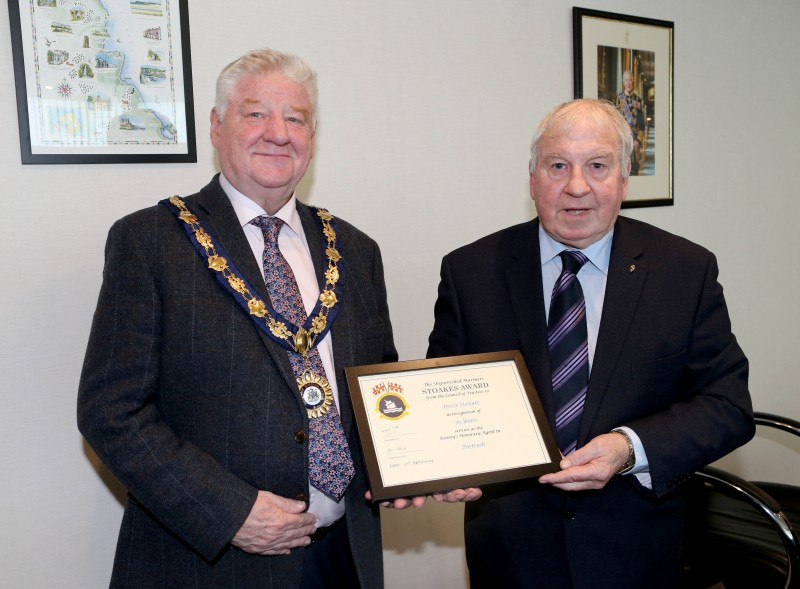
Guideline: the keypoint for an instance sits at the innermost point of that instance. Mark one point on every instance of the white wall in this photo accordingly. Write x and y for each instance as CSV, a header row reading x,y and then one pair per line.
x,y
427,109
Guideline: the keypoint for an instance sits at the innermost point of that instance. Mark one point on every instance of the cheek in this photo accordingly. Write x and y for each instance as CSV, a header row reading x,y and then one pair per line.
x,y
303,144
609,204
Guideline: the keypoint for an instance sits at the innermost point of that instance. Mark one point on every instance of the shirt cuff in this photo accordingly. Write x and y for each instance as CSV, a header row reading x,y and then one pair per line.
x,y
641,470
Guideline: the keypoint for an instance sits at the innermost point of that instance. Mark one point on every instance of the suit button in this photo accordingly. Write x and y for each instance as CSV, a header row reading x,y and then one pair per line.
x,y
300,436
301,497
569,515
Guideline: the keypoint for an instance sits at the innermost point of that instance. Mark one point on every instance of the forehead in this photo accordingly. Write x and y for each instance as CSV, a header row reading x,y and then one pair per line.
x,y
273,87
582,135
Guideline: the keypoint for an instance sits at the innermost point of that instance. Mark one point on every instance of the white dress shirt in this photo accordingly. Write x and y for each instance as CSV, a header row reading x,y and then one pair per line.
x,y
294,247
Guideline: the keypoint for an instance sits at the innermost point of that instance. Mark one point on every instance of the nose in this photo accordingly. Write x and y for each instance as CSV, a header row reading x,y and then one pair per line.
x,y
577,185
275,130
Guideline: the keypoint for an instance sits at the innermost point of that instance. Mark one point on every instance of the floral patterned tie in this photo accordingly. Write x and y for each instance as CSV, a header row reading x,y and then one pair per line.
x,y
330,466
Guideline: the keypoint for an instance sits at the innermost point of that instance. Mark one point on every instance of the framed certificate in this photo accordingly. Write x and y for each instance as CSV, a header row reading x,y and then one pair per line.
x,y
449,423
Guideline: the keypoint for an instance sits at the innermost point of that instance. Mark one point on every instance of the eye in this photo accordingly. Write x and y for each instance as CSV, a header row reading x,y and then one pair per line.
x,y
558,165
254,115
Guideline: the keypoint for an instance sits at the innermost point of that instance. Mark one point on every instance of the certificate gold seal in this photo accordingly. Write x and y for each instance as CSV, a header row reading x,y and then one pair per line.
x,y
392,405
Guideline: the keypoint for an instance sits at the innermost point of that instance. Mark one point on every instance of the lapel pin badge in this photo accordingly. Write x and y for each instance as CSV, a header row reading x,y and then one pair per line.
x,y
632,268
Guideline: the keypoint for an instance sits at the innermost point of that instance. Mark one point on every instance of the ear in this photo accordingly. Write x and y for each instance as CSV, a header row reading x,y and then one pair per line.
x,y
530,181
216,123
625,185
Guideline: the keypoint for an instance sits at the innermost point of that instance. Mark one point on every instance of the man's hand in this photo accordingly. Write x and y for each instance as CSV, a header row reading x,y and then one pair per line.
x,y
454,496
459,495
591,466
275,526
402,502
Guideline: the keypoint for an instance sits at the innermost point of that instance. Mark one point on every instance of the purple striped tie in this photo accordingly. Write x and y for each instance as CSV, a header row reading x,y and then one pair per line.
x,y
568,343
330,466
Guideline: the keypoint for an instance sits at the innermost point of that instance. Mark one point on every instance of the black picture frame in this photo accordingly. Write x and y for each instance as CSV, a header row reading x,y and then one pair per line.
x,y
99,127
606,47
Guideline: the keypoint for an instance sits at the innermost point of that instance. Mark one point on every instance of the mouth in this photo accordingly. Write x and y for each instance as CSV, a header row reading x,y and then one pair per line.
x,y
272,154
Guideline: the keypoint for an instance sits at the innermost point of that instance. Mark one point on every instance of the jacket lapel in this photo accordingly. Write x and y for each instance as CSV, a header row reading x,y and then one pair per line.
x,y
313,233
224,225
627,272
523,274
222,222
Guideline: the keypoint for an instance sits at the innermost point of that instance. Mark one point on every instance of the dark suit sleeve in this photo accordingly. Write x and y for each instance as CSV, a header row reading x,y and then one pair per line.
x,y
448,337
389,352
187,490
712,413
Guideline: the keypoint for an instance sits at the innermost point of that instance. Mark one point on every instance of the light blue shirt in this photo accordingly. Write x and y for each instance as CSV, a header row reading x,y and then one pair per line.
x,y
592,277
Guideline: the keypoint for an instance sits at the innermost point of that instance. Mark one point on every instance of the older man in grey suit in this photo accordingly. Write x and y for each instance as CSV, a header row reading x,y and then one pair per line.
x,y
200,391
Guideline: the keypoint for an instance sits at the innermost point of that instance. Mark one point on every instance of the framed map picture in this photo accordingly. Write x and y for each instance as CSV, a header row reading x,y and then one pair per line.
x,y
103,81
627,60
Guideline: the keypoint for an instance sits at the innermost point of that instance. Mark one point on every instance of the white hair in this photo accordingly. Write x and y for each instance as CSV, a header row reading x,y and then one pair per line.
x,y
261,62
601,113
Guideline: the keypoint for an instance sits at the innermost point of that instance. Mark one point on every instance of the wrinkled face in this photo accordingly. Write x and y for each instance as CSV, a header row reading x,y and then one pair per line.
x,y
265,138
578,186
627,82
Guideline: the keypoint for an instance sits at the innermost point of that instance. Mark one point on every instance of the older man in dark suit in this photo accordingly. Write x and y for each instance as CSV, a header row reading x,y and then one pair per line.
x,y
213,385
653,387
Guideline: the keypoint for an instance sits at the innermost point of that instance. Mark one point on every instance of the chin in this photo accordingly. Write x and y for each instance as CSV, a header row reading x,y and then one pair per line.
x,y
577,241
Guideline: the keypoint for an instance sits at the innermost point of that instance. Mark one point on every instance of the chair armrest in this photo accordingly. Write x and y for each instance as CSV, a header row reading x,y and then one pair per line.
x,y
778,422
737,487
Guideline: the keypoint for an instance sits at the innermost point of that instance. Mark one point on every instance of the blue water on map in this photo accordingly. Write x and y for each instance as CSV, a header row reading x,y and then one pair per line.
x,y
126,75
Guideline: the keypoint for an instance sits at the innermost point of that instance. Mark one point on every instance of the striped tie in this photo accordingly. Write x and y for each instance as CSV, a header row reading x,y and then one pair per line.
x,y
569,350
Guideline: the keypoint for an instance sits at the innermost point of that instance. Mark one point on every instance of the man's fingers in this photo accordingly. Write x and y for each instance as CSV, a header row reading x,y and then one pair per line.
x,y
286,504
275,525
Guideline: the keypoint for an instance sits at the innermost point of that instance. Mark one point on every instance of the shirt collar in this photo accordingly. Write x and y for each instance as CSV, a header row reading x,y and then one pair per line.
x,y
599,253
246,208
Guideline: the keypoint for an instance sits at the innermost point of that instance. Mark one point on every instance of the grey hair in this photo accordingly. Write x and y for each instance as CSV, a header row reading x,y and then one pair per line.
x,y
601,113
262,62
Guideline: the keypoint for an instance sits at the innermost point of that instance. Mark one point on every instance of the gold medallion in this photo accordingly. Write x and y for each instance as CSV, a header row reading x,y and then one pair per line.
x,y
316,393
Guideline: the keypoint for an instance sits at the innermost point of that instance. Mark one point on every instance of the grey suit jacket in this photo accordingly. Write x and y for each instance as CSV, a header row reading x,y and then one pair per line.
x,y
666,364
195,410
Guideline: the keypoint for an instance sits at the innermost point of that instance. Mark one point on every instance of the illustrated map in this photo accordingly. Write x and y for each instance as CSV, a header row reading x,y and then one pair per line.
x,y
105,73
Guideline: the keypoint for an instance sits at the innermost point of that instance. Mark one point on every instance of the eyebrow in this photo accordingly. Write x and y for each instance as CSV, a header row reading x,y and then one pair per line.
x,y
599,155
298,109
603,155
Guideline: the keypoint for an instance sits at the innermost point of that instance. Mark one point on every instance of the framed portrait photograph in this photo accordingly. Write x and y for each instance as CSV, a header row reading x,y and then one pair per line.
x,y
627,60
103,82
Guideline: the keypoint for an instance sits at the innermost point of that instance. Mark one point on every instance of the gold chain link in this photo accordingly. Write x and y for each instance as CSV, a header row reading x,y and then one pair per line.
x,y
303,340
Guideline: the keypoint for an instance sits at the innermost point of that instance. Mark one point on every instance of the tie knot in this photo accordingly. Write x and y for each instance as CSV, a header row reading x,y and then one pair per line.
x,y
573,260
270,227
